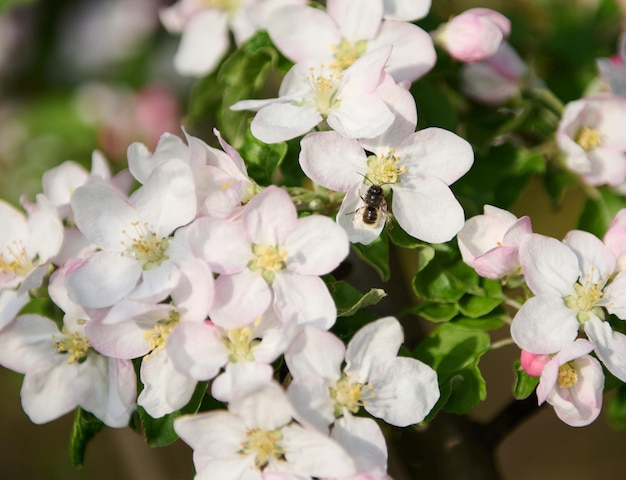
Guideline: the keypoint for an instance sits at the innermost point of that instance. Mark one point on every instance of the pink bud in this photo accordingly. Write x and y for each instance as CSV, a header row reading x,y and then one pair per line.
x,y
532,363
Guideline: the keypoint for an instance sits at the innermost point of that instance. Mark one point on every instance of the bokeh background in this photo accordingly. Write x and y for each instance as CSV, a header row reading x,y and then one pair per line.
x,y
79,75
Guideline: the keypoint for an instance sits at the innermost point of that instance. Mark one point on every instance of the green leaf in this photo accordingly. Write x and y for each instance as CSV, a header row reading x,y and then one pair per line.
x,y
242,76
446,278
376,254
160,432
349,300
495,319
262,159
436,312
599,211
4,4
617,408
454,352
84,428
475,307
425,254
524,383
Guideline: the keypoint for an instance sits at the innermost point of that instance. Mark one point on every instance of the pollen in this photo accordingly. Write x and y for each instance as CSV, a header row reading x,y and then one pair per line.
x,y
325,86
264,445
145,246
349,395
567,376
157,336
588,138
240,343
346,53
74,344
14,261
268,260
385,169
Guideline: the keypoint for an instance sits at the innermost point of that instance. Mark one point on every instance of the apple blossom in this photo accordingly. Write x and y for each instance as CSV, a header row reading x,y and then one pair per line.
x,y
590,135
257,437
62,372
613,70
407,10
615,238
572,382
134,235
271,256
347,30
490,242
416,166
27,245
312,93
399,390
205,29
473,35
496,78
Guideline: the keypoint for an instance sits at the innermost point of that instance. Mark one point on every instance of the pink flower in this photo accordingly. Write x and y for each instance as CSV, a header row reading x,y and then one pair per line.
x,y
474,34
489,243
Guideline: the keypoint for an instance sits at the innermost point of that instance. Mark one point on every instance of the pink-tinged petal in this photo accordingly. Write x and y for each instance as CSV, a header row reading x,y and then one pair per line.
x,y
168,198
197,350
239,299
469,37
194,292
402,105
223,244
356,20
141,161
361,116
11,303
333,160
518,231
364,441
436,152
533,364
580,405
314,454
165,389
350,218
303,299
615,237
595,260
544,325
366,74
239,376
413,53
279,122
312,403
406,391
103,280
426,208
372,344
607,166
156,283
46,394
216,433
550,267
122,392
315,353
265,407
27,344
610,346
124,340
407,10
497,263
270,217
316,246
103,215
292,28
209,27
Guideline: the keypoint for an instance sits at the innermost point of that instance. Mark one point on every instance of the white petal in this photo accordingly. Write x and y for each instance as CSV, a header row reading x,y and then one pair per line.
x,y
270,216
265,407
27,344
239,299
238,377
356,20
279,122
315,353
363,439
312,403
610,346
217,433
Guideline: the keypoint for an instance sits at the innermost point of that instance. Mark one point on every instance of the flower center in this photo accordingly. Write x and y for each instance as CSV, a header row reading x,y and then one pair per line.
x,y
325,89
588,296
157,336
384,169
588,138
240,342
346,52
14,261
268,260
75,344
349,395
264,445
146,247
567,376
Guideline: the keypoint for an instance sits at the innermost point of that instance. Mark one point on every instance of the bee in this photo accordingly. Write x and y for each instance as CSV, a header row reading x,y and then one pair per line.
x,y
375,207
